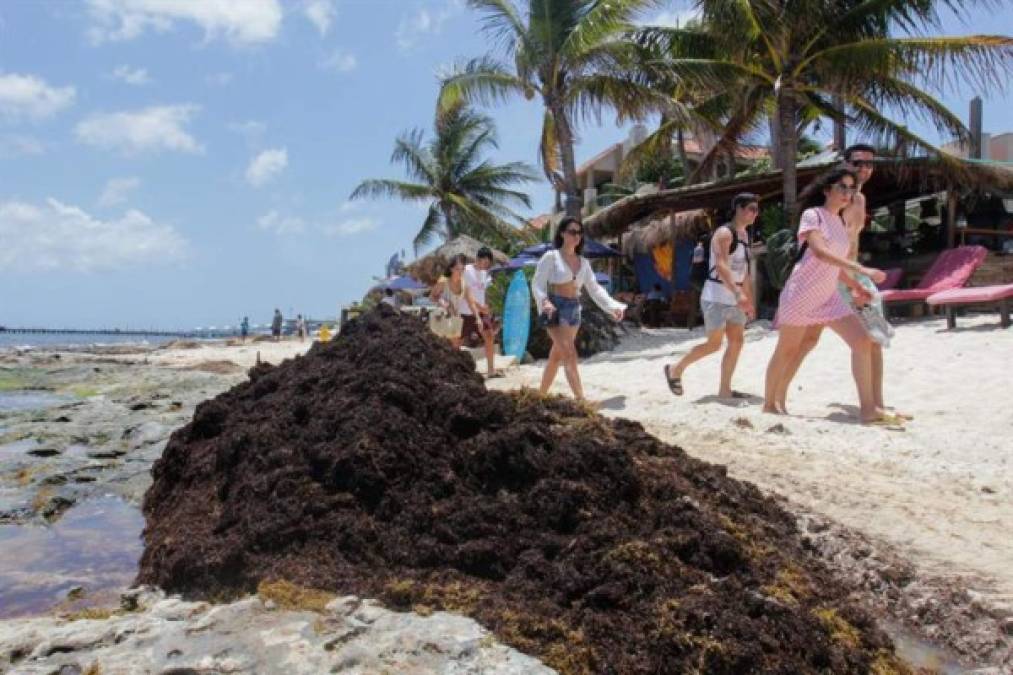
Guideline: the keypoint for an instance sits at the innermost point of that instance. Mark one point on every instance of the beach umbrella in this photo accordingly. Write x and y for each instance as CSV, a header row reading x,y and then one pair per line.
x,y
515,264
402,283
592,249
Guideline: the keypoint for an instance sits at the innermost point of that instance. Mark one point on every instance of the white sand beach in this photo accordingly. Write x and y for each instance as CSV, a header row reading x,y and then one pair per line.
x,y
940,492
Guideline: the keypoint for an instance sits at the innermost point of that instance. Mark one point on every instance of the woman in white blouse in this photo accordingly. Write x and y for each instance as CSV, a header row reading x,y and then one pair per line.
x,y
560,275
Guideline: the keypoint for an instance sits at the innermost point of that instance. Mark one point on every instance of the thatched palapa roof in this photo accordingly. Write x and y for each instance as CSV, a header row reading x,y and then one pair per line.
x,y
429,268
665,228
893,180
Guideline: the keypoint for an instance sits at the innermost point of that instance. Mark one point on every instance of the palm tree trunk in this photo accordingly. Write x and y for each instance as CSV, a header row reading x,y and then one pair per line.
x,y
564,136
449,226
840,126
788,137
680,146
775,141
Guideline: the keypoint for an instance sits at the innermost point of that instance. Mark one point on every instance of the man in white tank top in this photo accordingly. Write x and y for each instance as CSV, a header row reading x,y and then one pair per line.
x,y
726,299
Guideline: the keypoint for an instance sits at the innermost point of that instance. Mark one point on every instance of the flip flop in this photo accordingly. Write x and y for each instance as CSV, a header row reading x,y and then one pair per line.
x,y
674,383
498,373
888,422
739,394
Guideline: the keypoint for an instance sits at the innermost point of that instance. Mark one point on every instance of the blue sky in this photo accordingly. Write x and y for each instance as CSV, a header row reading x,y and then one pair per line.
x,y
175,163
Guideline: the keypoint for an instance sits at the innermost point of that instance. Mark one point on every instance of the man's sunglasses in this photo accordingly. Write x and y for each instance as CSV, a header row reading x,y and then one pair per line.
x,y
862,163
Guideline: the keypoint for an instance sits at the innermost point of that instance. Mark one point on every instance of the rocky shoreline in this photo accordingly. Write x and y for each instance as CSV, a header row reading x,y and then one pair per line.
x,y
107,418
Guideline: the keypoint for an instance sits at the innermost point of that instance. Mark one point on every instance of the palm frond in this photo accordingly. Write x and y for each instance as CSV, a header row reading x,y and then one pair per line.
x,y
417,160
601,22
982,62
548,147
432,227
503,23
482,80
588,96
379,187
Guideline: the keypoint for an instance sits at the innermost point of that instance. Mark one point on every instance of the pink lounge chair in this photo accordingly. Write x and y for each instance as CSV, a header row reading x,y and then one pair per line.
x,y
893,277
1000,295
950,270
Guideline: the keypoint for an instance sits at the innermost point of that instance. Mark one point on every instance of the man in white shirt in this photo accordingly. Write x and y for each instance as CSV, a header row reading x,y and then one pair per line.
x,y
481,329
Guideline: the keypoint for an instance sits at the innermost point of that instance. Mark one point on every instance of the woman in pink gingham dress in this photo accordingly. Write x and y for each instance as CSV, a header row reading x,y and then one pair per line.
x,y
810,297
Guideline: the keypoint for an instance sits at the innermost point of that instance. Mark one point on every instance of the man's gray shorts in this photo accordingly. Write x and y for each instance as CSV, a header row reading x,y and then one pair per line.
x,y
717,314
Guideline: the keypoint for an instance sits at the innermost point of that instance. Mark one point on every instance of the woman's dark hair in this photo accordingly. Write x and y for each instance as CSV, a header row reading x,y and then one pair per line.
x,y
557,241
459,258
740,200
484,252
813,195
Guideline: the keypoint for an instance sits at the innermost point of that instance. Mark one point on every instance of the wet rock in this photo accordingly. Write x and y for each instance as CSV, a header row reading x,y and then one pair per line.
x,y
55,506
163,635
778,429
43,452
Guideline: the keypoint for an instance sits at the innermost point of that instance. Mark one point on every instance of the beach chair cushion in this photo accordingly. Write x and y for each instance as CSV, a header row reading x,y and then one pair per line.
x,y
950,270
893,277
906,294
969,296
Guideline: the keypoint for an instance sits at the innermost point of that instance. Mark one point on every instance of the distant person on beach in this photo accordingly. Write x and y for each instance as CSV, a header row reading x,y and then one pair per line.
x,y
388,298
300,327
726,299
453,295
560,275
276,322
480,327
654,306
810,296
861,160
244,328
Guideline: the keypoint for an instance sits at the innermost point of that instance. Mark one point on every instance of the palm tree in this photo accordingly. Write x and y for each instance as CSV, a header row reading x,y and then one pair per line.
x,y
573,55
790,58
466,193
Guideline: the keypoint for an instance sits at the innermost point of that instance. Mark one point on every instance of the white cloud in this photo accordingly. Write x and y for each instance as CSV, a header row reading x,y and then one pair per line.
x,y
266,166
54,235
349,227
222,79
675,17
145,130
16,145
340,61
281,225
321,14
245,22
424,23
31,97
117,189
133,76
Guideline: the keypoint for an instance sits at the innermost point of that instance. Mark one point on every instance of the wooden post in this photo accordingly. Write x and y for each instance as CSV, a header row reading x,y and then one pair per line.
x,y
951,217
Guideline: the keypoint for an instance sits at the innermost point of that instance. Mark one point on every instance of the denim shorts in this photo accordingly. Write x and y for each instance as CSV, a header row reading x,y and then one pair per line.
x,y
567,311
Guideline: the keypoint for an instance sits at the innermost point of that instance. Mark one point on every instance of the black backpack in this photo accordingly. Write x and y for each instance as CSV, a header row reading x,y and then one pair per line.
x,y
702,271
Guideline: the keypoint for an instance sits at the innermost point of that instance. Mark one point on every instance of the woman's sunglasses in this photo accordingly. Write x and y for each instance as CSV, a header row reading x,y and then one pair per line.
x,y
845,189
576,233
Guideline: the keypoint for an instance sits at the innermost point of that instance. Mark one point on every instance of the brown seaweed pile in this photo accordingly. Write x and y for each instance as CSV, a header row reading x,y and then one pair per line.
x,y
379,465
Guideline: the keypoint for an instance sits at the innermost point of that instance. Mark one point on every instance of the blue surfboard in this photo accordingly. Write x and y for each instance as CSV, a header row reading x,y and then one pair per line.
x,y
516,316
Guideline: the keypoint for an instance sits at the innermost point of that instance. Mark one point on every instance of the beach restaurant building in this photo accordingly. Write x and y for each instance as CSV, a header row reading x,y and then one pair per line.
x,y
918,207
